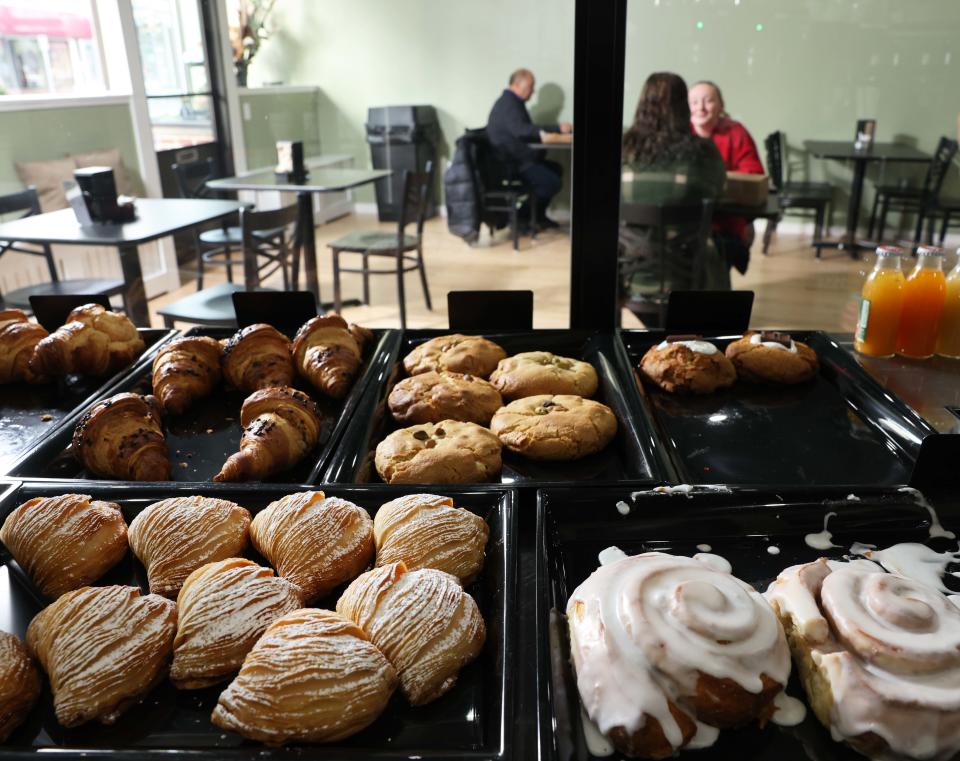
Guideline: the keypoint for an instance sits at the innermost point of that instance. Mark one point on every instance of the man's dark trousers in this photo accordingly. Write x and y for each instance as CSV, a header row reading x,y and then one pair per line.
x,y
545,178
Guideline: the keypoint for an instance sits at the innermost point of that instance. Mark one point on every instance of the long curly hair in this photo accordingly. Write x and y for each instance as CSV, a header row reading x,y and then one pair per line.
x,y
660,132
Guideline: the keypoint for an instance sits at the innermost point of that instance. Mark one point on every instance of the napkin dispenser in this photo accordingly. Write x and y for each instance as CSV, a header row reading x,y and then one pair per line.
x,y
99,191
290,166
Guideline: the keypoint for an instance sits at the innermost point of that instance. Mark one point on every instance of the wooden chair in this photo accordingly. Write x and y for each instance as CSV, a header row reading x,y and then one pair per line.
x,y
404,251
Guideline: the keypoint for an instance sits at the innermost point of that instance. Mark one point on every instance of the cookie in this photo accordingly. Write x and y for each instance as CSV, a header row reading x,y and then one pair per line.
x,y
472,355
449,452
687,365
540,372
554,427
770,357
432,397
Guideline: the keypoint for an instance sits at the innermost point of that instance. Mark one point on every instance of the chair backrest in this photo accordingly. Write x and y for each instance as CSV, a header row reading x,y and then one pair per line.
x,y
192,178
417,187
939,165
774,146
280,220
493,171
28,202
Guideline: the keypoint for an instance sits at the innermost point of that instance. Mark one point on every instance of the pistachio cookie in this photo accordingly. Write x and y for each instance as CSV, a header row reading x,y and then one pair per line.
x,y
540,372
448,452
456,353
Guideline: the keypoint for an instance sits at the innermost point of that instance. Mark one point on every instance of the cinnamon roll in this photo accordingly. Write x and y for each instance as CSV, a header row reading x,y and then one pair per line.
x,y
668,650
878,654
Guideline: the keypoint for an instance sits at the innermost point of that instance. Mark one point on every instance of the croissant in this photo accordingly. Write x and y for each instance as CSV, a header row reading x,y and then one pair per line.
x,y
427,531
280,426
121,437
327,353
19,684
258,356
317,542
18,340
423,621
185,370
222,610
94,341
65,542
312,677
103,648
175,536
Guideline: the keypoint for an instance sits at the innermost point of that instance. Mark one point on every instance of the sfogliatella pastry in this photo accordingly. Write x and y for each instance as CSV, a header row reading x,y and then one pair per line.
x,y
878,655
18,339
448,452
668,651
103,648
174,537
315,541
93,341
313,676
19,684
427,531
555,427
185,370
257,356
431,397
222,610
329,354
772,357
687,365
65,542
122,437
456,353
423,621
281,425
542,372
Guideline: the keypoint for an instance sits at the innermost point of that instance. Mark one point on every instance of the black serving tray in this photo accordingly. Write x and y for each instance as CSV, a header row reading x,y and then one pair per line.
x,y
472,721
573,526
840,428
23,406
632,455
200,440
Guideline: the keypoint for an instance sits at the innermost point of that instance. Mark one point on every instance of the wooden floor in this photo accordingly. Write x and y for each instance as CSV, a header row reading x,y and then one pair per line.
x,y
793,289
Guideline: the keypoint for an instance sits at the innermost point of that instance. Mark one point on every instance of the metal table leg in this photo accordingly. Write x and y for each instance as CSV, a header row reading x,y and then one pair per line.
x,y
305,204
135,296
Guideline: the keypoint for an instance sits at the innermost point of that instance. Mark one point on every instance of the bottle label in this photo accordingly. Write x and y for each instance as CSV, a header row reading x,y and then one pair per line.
x,y
864,318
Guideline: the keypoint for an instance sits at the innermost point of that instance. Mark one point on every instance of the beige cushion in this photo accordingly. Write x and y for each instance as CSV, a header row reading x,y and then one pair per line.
x,y
48,178
110,157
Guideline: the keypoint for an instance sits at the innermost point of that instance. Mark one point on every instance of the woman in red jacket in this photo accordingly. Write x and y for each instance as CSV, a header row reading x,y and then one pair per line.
x,y
709,119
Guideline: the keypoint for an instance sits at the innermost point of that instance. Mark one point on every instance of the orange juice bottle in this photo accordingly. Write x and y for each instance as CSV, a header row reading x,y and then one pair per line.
x,y
880,304
923,296
948,342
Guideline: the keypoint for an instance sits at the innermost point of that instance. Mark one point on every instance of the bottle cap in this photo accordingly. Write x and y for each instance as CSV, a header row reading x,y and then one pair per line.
x,y
890,251
930,251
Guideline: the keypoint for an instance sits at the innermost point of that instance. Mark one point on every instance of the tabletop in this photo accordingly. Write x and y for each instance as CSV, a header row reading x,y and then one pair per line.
x,y
156,218
319,180
769,209
844,149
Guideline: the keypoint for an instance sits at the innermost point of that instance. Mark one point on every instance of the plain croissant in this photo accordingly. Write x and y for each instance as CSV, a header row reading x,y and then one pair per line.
x,y
258,356
94,341
18,340
281,425
121,437
185,370
19,684
328,353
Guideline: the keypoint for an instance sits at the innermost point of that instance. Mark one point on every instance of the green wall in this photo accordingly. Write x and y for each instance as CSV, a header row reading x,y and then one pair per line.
x,y
277,116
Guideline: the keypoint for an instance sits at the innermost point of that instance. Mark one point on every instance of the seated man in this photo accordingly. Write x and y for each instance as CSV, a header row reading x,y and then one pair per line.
x,y
510,129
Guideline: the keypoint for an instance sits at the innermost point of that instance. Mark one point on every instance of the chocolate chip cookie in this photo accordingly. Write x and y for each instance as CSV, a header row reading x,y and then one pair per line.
x,y
540,372
449,452
431,397
456,353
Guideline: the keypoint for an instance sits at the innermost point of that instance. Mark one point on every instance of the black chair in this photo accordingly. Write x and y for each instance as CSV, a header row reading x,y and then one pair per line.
x,y
922,201
27,201
262,234
794,195
949,212
216,246
406,251
678,262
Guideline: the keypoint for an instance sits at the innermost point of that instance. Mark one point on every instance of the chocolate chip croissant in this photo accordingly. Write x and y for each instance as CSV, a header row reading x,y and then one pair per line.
x,y
222,610
185,370
312,677
315,541
93,341
103,648
328,354
281,426
19,684
65,542
427,531
423,621
258,356
175,536
122,437
18,340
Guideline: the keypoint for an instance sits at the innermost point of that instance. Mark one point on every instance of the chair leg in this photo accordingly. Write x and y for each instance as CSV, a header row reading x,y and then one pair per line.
x,y
515,227
918,231
534,211
882,223
873,215
768,234
366,278
337,300
199,263
931,228
168,321
944,225
401,295
423,278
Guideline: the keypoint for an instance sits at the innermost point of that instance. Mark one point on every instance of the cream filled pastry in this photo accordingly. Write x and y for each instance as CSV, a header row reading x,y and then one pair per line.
x,y
878,654
687,365
668,650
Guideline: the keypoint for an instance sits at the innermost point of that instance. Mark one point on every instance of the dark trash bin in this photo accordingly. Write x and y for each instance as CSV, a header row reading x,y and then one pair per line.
x,y
401,137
